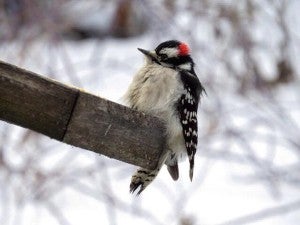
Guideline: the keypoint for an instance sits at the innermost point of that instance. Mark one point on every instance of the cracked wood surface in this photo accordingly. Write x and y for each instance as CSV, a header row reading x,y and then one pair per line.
x,y
78,118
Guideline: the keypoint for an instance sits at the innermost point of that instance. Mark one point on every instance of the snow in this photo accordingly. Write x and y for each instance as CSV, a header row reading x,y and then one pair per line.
x,y
244,165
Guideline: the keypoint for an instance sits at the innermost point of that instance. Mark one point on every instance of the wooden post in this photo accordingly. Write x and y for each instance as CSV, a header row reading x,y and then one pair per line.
x,y
75,117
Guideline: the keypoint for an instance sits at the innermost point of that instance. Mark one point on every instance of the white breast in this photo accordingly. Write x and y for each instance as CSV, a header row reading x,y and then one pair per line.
x,y
156,90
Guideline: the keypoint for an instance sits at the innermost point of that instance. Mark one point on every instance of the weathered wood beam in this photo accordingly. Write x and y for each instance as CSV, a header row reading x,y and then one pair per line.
x,y
75,117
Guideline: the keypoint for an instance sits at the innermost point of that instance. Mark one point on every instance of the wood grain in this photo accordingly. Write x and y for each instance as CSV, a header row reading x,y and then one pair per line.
x,y
115,131
79,118
35,102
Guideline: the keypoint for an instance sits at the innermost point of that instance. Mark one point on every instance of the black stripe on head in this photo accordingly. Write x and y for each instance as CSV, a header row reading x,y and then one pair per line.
x,y
167,44
176,61
172,58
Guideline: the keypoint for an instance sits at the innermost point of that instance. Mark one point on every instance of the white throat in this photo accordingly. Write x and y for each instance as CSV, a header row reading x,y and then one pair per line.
x,y
186,66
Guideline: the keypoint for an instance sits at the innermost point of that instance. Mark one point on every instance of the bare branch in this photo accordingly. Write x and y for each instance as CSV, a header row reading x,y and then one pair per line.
x,y
264,214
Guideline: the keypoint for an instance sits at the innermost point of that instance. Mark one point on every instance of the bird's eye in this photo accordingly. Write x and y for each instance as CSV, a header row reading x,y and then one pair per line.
x,y
163,56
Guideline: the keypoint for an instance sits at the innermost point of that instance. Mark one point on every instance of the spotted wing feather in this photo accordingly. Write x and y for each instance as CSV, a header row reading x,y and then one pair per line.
x,y
187,108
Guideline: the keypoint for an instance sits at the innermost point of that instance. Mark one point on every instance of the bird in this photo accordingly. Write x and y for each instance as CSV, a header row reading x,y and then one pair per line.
x,y
167,87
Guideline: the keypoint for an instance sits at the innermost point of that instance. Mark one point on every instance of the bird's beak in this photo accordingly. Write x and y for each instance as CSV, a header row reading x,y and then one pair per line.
x,y
151,55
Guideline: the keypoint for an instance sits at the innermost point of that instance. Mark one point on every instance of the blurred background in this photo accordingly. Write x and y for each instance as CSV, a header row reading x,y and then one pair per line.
x,y
248,161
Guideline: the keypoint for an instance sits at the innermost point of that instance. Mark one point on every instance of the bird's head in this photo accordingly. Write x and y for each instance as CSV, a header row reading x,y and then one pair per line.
x,y
173,54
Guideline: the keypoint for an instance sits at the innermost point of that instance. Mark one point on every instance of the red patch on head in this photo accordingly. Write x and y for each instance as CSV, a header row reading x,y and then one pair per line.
x,y
184,49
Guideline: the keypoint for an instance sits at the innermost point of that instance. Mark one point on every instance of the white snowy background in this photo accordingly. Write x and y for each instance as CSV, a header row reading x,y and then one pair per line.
x,y
248,161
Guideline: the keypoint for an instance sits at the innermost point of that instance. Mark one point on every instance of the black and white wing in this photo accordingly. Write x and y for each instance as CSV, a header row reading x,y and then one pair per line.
x,y
187,108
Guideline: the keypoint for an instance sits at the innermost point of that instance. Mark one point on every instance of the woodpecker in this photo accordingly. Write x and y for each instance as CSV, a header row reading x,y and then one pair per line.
x,y
167,87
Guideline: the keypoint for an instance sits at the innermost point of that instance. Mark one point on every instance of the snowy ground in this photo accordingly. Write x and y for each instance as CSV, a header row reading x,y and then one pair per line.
x,y
247,169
